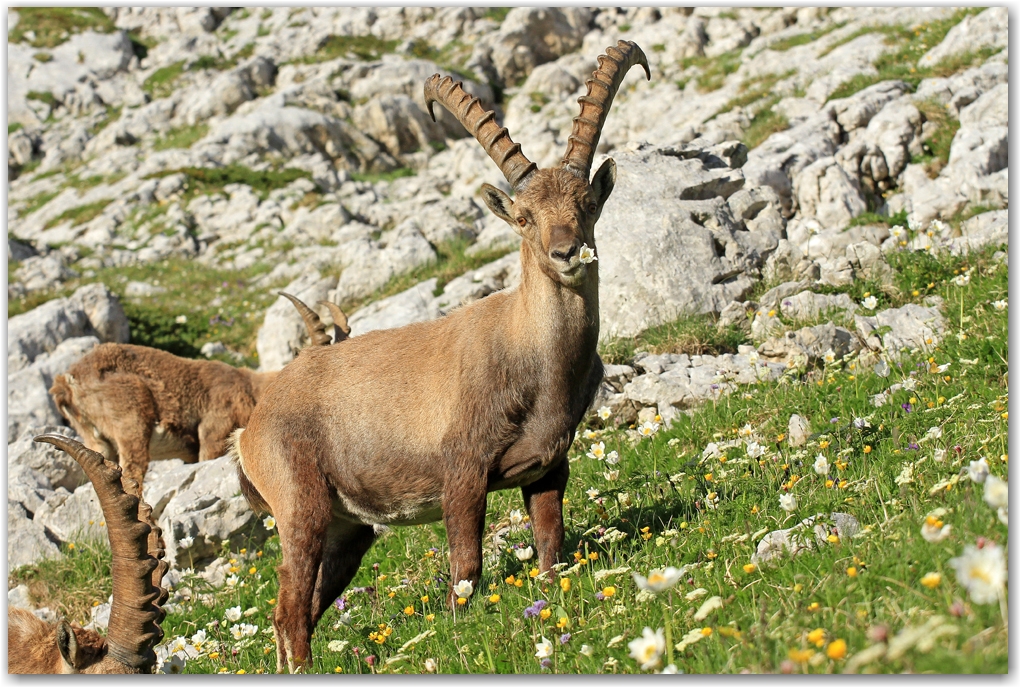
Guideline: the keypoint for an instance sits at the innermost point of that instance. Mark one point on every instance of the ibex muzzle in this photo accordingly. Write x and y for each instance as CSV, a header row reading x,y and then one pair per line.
x,y
410,425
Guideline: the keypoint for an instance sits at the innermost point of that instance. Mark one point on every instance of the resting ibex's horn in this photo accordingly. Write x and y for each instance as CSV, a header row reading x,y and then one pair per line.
x,y
602,88
316,329
136,546
481,123
341,330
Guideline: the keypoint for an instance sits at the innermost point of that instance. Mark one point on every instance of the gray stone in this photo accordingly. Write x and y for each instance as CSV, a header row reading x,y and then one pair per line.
x,y
661,256
807,535
826,192
911,326
27,540
19,597
45,460
798,430
28,401
500,274
988,29
812,343
416,304
212,511
808,305
988,228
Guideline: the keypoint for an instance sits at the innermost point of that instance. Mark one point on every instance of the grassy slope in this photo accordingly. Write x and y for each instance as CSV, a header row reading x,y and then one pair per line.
x,y
766,612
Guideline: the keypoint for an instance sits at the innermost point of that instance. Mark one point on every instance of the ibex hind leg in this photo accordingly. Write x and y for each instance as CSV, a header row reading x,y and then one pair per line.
x,y
346,545
303,530
544,501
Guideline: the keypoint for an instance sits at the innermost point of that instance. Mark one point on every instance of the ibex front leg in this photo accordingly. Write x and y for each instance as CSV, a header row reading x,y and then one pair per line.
x,y
544,500
464,517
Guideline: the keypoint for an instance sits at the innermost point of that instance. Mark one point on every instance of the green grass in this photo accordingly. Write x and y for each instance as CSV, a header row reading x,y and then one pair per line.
x,y
374,177
368,48
803,38
81,214
54,25
712,70
765,122
160,83
42,96
894,33
43,57
451,263
16,126
112,115
190,286
181,137
866,218
754,90
902,62
36,202
203,180
85,569
693,335
497,14
938,144
675,505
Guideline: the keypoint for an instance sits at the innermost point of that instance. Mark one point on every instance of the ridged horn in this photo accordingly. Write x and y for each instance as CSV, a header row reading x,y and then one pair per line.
x,y
135,613
316,329
602,87
481,123
341,330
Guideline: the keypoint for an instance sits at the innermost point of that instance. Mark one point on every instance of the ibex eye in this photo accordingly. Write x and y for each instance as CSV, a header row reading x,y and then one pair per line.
x,y
592,207
522,221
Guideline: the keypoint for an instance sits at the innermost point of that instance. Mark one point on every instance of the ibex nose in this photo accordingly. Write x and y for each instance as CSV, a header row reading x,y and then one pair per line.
x,y
566,252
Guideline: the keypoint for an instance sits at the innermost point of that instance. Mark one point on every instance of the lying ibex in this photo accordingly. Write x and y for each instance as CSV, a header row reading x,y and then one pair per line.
x,y
415,424
34,646
135,404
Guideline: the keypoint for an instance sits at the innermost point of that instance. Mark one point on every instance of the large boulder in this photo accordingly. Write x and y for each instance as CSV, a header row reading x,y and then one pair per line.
x,y
54,466
910,326
988,29
416,304
668,243
27,540
531,36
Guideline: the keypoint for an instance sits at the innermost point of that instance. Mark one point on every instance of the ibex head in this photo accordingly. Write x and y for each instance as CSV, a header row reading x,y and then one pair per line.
x,y
135,616
554,210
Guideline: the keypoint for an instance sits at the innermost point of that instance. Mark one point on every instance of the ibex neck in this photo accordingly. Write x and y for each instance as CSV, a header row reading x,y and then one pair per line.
x,y
560,321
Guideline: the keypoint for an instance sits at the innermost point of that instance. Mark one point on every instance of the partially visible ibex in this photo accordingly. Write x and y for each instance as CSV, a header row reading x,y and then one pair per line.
x,y
136,543
411,425
135,404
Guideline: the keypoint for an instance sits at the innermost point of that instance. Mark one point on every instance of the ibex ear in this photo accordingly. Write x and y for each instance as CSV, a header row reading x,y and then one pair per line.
x,y
501,205
67,643
604,181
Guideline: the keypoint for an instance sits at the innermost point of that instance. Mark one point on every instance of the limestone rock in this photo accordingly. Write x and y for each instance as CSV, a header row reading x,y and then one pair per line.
x,y
798,430
911,326
56,467
27,540
807,535
416,304
988,29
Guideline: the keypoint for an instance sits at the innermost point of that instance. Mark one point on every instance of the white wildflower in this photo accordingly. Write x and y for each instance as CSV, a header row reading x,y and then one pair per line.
x,y
525,554
464,589
431,665
586,650
821,464
543,649
1000,305
598,451
996,492
587,254
934,531
933,433
961,279
612,458
516,519
611,475
752,358
337,645
174,666
909,384
939,455
186,542
648,429
712,603
982,571
648,648
604,412
977,471
658,580
181,319
870,303
788,502
755,450
592,493
269,523
830,356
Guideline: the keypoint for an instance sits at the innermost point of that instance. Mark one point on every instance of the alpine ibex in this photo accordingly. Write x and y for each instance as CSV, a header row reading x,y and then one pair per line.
x,y
34,646
411,425
135,404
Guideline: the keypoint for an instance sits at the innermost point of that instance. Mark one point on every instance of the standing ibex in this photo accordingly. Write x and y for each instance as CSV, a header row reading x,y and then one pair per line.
x,y
136,543
135,404
415,424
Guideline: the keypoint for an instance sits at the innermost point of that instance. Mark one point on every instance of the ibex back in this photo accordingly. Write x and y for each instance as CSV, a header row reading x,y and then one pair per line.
x,y
419,423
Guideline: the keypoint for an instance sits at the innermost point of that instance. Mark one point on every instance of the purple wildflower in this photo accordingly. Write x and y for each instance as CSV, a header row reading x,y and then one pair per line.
x,y
341,603
547,663
834,420
534,609
564,638
907,407
600,596
913,447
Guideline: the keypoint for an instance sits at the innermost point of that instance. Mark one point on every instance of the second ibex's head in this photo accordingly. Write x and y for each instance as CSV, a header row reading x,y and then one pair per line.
x,y
554,210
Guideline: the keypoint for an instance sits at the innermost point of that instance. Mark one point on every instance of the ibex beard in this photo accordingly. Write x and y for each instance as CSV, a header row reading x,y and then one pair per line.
x,y
410,425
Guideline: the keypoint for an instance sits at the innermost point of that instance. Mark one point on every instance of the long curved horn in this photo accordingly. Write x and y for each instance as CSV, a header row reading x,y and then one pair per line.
x,y
316,329
602,87
135,613
341,330
494,139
